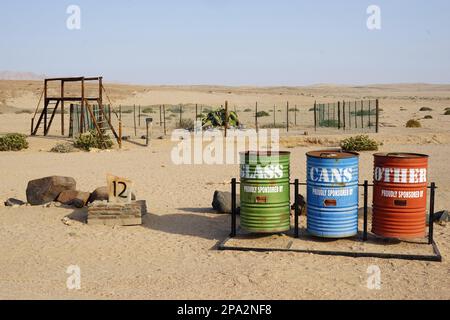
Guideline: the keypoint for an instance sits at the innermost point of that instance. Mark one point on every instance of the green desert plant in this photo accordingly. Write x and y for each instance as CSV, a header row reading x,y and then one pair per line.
x,y
248,110
425,109
127,111
217,119
428,117
63,148
413,124
447,112
91,139
359,143
13,142
293,109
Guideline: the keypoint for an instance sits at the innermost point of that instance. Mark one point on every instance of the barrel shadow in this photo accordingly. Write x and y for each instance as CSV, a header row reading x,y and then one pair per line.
x,y
189,224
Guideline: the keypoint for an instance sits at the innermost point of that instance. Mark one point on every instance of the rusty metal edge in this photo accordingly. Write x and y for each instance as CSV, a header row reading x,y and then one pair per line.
x,y
434,258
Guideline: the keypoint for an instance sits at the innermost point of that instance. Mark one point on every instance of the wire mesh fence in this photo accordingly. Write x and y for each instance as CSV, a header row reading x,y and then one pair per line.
x,y
360,115
355,116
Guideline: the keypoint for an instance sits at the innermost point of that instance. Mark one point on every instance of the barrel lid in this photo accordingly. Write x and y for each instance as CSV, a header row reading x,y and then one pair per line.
x,y
332,154
404,155
265,153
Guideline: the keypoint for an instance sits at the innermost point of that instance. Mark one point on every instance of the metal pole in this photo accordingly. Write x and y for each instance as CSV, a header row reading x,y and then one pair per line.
x,y
377,116
139,116
287,116
343,114
431,218
233,208
62,107
196,112
362,114
134,117
366,189
160,115
226,118
296,208
370,125
181,112
315,115
164,118
256,117
339,115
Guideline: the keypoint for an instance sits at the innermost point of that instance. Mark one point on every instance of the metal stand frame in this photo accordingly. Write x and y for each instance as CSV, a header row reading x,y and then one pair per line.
x,y
436,257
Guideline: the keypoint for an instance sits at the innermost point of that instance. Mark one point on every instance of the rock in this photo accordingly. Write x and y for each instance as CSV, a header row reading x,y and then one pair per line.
x,y
67,221
301,204
222,202
41,191
11,202
74,198
101,194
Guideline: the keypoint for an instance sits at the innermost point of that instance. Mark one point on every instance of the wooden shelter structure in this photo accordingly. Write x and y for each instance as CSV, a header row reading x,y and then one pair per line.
x,y
84,102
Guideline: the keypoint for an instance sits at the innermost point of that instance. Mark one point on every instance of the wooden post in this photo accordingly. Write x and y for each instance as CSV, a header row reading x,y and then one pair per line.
x,y
377,105
343,114
139,119
82,108
147,121
362,114
196,113
164,118
71,120
339,115
315,115
120,112
120,134
256,117
226,118
287,116
181,112
134,118
100,103
356,117
62,107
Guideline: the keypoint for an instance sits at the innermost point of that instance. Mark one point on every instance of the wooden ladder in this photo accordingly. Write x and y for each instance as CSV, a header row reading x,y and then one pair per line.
x,y
50,108
99,123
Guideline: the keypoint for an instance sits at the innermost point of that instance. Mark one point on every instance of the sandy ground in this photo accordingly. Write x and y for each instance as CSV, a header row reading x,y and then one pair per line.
x,y
173,254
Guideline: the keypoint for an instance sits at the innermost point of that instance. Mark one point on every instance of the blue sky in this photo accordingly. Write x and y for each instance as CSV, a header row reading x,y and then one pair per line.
x,y
230,42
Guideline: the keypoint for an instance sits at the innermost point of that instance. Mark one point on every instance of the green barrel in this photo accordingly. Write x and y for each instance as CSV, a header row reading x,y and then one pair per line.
x,y
265,192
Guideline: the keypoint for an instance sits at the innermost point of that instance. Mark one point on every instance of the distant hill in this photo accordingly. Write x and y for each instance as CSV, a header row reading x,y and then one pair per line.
x,y
11,75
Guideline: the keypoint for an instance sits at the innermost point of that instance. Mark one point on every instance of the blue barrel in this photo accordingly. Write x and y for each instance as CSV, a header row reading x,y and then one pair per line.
x,y
332,185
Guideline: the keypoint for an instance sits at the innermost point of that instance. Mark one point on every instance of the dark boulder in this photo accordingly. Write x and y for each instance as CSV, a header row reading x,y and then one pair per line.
x,y
41,191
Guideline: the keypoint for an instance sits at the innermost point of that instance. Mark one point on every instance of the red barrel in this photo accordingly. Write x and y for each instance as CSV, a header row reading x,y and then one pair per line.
x,y
400,195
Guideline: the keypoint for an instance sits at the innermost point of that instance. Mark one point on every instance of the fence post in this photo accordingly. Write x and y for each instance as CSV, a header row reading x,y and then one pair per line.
x,y
160,115
181,112
134,116
370,125
139,119
315,115
120,112
256,117
377,116
226,118
287,116
164,118
343,114
339,115
196,113
362,114
431,214
356,117
366,188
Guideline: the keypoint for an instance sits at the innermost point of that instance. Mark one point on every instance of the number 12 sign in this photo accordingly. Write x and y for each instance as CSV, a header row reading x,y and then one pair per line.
x,y
119,189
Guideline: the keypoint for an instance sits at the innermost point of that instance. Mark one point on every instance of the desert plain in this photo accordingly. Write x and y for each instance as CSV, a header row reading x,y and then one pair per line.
x,y
174,255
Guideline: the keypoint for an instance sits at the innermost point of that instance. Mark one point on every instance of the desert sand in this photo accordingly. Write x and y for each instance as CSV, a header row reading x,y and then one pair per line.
x,y
174,255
